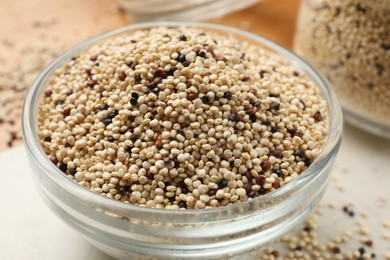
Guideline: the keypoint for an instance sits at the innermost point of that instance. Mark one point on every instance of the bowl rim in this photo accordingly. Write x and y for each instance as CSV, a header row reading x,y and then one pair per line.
x,y
35,151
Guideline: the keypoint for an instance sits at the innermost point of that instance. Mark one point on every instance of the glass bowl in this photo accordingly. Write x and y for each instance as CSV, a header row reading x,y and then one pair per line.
x,y
126,231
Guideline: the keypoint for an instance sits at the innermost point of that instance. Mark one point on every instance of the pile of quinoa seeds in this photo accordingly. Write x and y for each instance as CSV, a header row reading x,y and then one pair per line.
x,y
181,118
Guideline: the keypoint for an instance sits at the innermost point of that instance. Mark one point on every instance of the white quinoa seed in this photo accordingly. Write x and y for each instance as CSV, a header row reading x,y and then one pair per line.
x,y
158,121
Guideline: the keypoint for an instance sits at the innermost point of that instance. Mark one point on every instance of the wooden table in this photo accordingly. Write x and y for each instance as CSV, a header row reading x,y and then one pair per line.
x,y
60,24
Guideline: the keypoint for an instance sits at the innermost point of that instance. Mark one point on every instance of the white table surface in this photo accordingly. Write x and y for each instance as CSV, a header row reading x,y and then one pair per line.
x,y
28,230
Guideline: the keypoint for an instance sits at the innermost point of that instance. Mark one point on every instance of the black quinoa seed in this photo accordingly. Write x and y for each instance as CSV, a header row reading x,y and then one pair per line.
x,y
227,94
69,92
59,102
156,90
362,250
262,191
107,121
202,54
262,72
121,190
360,8
137,78
266,122
72,172
182,204
279,172
48,139
253,118
385,46
222,183
63,167
135,95
149,175
134,138
307,162
300,154
110,139
112,114
133,101
303,104
183,38
206,99
181,58
276,106
307,229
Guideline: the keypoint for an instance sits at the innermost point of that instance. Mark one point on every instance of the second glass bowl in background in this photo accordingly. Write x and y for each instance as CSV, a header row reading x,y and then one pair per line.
x,y
179,10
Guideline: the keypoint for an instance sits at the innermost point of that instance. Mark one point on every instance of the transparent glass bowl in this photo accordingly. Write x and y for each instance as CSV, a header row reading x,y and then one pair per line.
x,y
132,232
179,10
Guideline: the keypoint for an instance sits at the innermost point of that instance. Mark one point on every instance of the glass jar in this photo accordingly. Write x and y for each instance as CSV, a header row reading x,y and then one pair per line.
x,y
349,42
127,231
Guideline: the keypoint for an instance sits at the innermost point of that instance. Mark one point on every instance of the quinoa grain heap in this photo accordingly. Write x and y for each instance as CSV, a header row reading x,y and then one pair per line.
x,y
169,118
349,42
